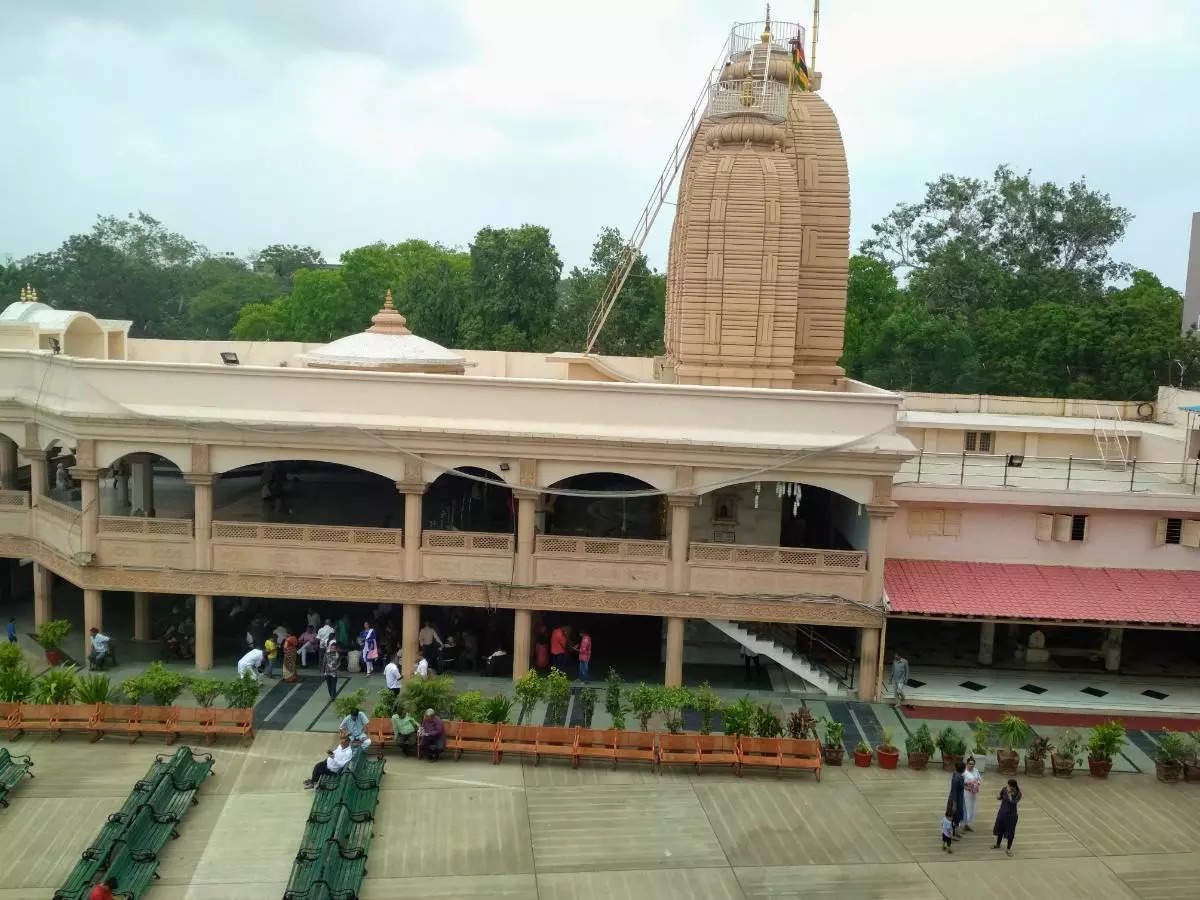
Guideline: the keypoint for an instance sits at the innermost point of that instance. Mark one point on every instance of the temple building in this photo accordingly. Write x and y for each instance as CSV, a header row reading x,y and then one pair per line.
x,y
740,492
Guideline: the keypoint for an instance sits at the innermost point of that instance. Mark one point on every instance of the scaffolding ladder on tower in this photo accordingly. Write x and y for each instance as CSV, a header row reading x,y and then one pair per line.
x,y
1112,441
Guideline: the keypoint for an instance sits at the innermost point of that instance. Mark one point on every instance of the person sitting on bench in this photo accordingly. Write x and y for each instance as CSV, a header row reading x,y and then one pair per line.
x,y
355,725
333,763
404,728
101,650
431,737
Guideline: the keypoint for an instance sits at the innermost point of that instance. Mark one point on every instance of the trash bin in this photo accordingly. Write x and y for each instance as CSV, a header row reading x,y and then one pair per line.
x,y
352,659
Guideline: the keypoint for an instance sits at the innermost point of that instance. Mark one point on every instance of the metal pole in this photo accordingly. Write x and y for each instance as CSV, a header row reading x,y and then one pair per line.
x,y
1069,458
920,458
812,62
962,469
1132,473
1005,472
1195,472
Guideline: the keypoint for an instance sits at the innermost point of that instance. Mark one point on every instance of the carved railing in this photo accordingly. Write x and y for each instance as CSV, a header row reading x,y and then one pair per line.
x,y
304,535
749,555
10,500
130,526
68,515
601,548
470,542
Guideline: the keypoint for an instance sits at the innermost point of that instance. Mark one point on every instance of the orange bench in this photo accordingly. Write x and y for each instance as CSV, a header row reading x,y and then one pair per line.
x,y
636,745
719,750
592,743
556,741
477,736
759,753
10,714
38,717
237,721
800,753
75,717
116,717
159,720
379,730
194,720
678,749
516,739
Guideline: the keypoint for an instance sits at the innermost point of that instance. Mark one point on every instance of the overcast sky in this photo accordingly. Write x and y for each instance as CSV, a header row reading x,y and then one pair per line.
x,y
242,123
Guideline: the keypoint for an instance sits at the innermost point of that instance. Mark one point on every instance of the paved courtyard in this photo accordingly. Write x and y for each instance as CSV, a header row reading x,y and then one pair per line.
x,y
470,829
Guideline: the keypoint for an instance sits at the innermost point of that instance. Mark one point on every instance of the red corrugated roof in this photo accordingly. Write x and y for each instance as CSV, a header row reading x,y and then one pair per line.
x,y
1074,593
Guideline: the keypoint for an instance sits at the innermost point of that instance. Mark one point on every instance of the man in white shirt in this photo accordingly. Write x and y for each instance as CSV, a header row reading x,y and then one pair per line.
x,y
324,635
251,662
99,653
422,668
333,763
391,675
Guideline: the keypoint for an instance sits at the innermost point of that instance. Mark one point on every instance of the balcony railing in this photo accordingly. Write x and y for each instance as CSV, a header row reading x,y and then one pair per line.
x,y
1050,473
471,542
749,555
362,538
68,515
10,500
601,548
128,526
731,98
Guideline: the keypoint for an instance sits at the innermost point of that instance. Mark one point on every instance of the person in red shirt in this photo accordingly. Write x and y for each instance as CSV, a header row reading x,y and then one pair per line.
x,y
558,648
103,891
585,656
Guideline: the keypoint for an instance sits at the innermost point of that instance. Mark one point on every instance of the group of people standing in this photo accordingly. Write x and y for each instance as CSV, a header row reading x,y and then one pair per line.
x,y
965,786
555,648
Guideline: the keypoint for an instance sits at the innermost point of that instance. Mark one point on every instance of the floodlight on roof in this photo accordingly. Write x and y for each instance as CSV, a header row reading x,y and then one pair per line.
x,y
229,358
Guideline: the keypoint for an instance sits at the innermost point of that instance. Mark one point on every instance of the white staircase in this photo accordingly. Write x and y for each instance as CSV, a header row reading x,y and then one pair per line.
x,y
1112,441
793,662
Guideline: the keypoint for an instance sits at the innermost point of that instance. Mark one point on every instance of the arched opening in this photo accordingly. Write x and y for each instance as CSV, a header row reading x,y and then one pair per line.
x,y
307,492
147,485
455,503
637,518
59,484
85,338
780,514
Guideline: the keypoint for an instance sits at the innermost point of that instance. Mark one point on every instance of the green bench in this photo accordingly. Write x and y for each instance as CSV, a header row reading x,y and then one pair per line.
x,y
134,871
344,872
12,770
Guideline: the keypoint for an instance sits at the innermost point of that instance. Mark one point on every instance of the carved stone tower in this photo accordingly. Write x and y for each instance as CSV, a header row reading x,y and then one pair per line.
x,y
759,255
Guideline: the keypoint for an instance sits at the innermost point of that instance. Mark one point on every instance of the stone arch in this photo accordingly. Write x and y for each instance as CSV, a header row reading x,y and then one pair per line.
x,y
780,514
550,472
385,464
109,453
83,337
640,518
460,504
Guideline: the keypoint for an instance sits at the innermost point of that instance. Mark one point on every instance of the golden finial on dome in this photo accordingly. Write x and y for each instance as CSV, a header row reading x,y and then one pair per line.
x,y
766,35
28,294
387,300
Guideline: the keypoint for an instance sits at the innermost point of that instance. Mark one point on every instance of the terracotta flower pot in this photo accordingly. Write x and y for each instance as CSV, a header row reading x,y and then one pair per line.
x,y
949,762
833,755
1063,765
1035,766
1099,767
54,656
918,760
1008,761
1169,772
1191,771
888,759
862,758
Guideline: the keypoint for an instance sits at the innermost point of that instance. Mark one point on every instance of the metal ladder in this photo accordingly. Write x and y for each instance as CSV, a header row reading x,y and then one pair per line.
x,y
1112,441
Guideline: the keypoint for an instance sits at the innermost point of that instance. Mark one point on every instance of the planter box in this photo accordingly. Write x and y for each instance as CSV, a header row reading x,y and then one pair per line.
x,y
833,755
1035,766
862,760
1191,772
918,761
1008,761
1168,772
1099,767
887,760
1063,765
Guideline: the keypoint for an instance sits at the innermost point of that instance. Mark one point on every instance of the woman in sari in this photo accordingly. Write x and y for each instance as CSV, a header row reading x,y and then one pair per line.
x,y
972,781
290,647
370,646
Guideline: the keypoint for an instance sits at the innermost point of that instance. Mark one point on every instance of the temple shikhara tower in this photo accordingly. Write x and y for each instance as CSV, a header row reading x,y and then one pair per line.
x,y
756,277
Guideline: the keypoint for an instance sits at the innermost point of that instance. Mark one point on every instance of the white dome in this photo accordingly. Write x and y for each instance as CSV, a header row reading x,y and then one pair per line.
x,y
386,345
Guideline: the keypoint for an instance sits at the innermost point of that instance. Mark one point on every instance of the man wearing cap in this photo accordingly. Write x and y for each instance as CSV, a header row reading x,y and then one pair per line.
x,y
431,737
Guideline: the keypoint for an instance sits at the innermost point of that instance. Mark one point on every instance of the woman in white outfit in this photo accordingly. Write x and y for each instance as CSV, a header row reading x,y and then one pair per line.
x,y
972,781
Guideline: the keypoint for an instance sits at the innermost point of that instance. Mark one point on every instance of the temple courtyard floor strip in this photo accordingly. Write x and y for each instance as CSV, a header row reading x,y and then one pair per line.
x,y
468,829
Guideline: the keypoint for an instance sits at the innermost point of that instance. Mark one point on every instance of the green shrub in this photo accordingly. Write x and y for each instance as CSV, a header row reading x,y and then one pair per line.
x,y
346,702
1013,732
385,704
16,683
643,701
529,689
981,745
1172,748
94,687
205,691
612,699
708,704
834,732
435,693
51,633
950,742
587,706
558,695
496,709
673,701
1070,744
766,721
469,706
1106,740
240,693
862,747
163,685
57,685
739,717
133,688
10,656
921,741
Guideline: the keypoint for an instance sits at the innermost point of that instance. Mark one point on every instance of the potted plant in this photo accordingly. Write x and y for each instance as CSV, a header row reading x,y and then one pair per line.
x,y
801,724
1191,765
529,688
56,686
673,701
920,747
205,690
982,733
833,751
587,706
435,693
1172,751
953,748
1013,732
766,722
889,756
93,688
241,693
1104,742
50,635
1065,757
708,704
558,696
739,717
862,755
163,685
612,699
643,701
497,708
468,706
1035,755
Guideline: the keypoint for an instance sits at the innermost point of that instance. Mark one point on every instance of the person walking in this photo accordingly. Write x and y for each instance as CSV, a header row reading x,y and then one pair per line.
x,y
391,675
370,647
12,630
270,653
972,782
900,673
585,657
955,801
1006,816
429,642
325,634
333,661
290,646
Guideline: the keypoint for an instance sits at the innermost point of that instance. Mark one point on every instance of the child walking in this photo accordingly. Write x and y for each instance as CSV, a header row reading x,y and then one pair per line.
x,y
947,830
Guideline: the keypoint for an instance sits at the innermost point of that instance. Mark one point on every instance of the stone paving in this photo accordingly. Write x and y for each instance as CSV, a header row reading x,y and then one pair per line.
x,y
469,829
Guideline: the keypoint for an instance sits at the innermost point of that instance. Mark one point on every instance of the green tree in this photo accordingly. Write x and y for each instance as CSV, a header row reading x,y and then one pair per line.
x,y
318,310
514,289
283,260
214,309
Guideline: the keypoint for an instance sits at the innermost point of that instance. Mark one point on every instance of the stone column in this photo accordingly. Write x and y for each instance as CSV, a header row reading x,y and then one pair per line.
x,y
8,464
141,616
142,468
122,479
674,668
202,487
93,617
414,497
409,626
37,472
43,594
868,664
1112,649
522,635
89,505
987,642
523,570
681,532
204,632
